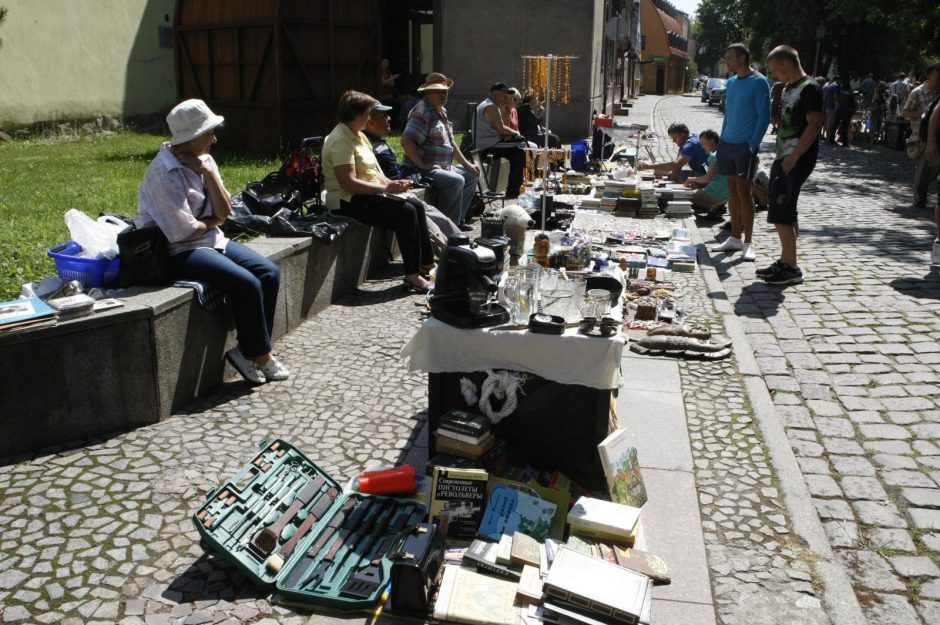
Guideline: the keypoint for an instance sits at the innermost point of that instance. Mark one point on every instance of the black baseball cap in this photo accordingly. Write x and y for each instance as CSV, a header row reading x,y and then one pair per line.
x,y
499,86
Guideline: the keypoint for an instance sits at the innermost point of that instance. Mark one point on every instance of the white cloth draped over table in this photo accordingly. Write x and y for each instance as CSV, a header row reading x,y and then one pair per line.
x,y
571,358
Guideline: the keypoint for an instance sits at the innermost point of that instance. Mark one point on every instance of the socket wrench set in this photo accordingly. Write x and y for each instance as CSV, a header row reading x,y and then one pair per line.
x,y
284,522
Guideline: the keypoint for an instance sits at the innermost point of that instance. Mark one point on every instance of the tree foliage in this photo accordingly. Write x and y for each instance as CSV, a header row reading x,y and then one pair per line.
x,y
878,36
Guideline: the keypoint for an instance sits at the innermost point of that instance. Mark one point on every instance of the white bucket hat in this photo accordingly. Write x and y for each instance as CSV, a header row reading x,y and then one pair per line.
x,y
189,119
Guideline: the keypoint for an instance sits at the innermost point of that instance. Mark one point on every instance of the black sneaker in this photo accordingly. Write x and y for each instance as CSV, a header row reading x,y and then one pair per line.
x,y
726,225
766,271
784,274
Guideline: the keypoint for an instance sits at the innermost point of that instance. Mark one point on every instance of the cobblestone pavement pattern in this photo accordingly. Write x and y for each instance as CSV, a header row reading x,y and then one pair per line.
x,y
761,573
851,360
104,534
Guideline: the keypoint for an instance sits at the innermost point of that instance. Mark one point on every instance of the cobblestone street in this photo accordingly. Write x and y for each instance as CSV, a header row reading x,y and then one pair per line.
x,y
850,361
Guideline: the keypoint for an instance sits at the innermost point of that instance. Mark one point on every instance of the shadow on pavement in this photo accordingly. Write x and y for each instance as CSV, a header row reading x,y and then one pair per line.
x,y
759,300
927,287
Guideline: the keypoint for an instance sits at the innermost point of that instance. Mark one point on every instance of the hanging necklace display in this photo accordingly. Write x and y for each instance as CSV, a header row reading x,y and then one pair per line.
x,y
548,77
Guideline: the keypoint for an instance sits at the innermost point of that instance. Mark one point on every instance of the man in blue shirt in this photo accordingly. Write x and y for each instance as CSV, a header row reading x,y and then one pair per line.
x,y
747,115
690,151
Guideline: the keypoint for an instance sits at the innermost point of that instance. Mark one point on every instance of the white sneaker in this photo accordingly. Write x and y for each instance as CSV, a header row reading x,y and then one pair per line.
x,y
748,254
245,366
935,253
730,245
274,369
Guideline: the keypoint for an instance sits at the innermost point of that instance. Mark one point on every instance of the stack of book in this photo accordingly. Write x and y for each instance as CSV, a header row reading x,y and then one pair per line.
x,y
649,205
591,590
23,314
679,208
604,520
464,434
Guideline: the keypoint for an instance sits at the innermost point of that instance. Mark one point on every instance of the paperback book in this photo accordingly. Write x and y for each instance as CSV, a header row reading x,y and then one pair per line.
x,y
457,500
509,510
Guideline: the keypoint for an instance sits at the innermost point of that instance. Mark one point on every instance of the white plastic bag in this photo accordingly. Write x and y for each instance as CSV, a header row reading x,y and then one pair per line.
x,y
97,238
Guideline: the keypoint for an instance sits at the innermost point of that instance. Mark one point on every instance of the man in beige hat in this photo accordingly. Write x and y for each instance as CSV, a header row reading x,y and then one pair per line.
x,y
430,149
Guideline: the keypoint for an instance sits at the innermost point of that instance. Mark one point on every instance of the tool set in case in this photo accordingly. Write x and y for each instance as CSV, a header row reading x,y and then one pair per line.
x,y
284,522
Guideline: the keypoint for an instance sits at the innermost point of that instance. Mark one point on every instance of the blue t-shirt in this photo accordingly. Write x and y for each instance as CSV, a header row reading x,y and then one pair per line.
x,y
698,157
747,110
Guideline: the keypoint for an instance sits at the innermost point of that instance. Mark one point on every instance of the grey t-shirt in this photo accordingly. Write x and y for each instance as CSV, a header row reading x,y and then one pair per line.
x,y
486,135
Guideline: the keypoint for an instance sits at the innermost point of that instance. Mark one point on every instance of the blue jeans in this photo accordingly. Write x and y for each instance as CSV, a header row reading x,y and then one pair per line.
x,y
250,283
455,188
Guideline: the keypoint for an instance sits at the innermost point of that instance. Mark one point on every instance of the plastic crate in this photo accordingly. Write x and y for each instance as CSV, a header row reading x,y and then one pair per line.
x,y
91,272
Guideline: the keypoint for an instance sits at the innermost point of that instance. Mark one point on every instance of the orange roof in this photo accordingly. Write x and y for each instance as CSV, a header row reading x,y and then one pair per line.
x,y
669,23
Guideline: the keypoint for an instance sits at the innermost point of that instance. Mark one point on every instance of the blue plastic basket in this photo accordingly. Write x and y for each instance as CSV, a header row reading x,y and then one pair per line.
x,y
91,272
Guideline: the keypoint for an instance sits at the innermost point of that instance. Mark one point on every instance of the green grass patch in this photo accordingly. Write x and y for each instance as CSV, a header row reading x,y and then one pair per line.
x,y
41,179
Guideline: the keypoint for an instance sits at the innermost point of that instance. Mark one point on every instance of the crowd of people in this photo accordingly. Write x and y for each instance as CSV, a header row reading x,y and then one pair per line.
x,y
183,194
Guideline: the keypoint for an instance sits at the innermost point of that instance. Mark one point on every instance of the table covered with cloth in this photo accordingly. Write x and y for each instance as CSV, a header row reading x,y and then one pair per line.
x,y
563,408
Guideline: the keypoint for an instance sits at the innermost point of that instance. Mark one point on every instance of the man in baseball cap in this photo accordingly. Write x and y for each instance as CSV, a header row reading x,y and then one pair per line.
x,y
492,135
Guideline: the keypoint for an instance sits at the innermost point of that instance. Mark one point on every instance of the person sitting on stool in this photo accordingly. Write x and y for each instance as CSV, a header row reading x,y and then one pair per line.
x,y
430,149
379,125
494,136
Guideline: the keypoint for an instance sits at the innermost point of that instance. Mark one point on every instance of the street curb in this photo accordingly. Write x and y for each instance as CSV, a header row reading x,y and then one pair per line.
x,y
839,599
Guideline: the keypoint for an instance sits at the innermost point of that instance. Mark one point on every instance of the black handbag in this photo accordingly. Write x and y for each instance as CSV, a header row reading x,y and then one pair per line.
x,y
274,192
145,257
417,561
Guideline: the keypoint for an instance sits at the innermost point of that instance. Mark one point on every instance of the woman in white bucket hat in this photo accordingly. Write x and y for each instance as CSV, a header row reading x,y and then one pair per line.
x,y
182,193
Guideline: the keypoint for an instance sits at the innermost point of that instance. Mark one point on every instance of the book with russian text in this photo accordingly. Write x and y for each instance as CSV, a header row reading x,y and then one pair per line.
x,y
622,469
509,510
458,497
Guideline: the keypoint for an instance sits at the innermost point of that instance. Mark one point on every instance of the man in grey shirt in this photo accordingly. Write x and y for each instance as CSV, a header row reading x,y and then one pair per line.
x,y
492,135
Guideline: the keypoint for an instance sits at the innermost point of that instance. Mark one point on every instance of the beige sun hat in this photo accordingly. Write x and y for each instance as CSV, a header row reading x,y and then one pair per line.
x,y
190,119
436,81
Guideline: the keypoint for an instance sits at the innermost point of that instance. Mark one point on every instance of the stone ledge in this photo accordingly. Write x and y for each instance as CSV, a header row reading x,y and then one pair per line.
x,y
132,366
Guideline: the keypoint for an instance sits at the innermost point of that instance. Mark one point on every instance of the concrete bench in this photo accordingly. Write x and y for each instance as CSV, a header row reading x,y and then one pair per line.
x,y
135,365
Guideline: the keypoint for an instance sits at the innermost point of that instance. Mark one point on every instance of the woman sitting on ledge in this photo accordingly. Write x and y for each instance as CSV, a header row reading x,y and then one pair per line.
x,y
183,194
356,186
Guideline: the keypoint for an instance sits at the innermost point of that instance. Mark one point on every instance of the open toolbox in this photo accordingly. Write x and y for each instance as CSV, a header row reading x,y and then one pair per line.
x,y
284,522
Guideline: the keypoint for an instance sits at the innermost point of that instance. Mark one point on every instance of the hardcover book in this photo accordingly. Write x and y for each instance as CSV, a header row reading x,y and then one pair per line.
x,y
460,448
493,461
463,422
509,510
483,555
525,550
466,596
560,498
457,500
604,520
622,469
649,564
598,586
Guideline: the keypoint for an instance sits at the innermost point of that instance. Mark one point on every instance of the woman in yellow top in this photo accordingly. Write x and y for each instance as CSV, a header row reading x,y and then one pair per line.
x,y
356,186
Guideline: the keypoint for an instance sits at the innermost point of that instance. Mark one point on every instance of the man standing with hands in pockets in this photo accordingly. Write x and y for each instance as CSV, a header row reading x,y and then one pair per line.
x,y
801,118
747,115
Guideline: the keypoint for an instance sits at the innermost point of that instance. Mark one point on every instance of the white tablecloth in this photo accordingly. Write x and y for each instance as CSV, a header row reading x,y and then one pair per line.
x,y
571,358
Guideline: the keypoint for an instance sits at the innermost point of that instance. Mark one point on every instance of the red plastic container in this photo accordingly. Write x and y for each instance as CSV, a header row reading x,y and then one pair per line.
x,y
397,481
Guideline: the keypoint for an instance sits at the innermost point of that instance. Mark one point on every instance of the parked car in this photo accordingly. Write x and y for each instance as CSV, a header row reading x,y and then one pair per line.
x,y
717,94
724,96
710,84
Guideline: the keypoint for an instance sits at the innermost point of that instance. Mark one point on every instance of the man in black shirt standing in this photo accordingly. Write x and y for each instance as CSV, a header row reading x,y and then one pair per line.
x,y
801,118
